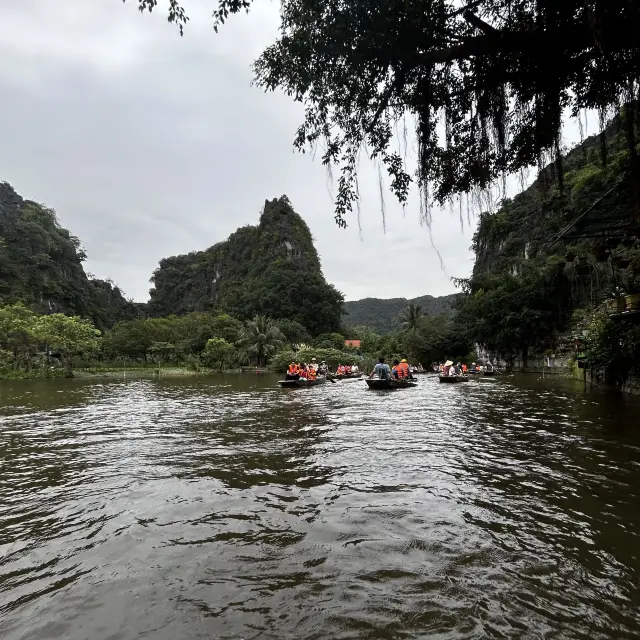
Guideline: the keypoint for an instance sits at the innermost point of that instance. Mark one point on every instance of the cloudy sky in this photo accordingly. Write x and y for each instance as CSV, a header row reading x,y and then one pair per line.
x,y
149,145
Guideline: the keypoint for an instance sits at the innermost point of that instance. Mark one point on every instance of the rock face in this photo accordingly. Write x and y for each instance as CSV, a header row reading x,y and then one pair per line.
x,y
41,265
523,226
272,269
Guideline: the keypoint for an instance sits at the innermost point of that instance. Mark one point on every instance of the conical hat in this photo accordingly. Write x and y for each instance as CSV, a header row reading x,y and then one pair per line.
x,y
448,363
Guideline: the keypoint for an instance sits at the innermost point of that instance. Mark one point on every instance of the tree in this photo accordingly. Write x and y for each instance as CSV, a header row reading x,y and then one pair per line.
x,y
162,351
131,338
434,340
499,73
260,339
68,335
512,314
218,353
329,341
411,317
294,332
17,333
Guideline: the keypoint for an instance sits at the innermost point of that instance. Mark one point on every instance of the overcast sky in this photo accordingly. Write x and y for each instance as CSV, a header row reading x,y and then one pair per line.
x,y
149,145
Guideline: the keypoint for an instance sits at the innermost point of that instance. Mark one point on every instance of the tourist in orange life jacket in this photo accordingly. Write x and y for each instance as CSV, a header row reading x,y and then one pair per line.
x,y
403,370
394,369
292,372
311,374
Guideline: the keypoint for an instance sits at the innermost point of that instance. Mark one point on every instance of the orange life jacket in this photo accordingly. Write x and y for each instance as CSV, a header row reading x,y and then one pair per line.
x,y
293,369
403,370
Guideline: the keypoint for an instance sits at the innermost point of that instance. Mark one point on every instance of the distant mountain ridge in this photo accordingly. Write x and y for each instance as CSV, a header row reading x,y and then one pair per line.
x,y
382,314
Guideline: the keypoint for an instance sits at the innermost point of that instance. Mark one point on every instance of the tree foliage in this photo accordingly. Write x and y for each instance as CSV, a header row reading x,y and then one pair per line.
x,y
411,316
260,339
513,314
24,333
218,353
498,73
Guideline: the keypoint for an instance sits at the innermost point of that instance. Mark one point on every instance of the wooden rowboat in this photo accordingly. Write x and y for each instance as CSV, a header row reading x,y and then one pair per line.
x,y
451,379
346,376
302,382
377,383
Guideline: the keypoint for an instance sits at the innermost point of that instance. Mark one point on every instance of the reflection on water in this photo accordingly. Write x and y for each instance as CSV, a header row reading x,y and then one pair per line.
x,y
229,508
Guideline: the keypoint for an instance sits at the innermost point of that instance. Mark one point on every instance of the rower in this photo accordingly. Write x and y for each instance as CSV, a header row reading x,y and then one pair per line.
x,y
381,370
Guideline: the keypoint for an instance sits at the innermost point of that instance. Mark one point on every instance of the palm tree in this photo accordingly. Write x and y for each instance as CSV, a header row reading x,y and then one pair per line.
x,y
411,317
259,339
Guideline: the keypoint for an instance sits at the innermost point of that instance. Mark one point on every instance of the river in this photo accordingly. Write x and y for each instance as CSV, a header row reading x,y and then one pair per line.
x,y
229,508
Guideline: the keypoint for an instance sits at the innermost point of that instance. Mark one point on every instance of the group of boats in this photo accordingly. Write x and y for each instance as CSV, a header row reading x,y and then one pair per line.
x,y
465,377
389,383
378,383
372,383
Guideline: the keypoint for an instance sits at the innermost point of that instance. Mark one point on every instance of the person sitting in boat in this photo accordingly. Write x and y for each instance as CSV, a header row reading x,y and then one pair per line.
x,y
381,370
354,368
403,370
464,368
311,373
302,370
347,369
394,369
322,369
292,372
314,365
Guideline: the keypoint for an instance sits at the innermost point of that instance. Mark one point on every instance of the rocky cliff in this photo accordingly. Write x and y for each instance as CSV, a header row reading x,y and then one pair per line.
x,y
272,268
41,265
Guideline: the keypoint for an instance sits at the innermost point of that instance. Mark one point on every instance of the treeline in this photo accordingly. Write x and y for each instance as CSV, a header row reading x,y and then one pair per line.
x,y
50,345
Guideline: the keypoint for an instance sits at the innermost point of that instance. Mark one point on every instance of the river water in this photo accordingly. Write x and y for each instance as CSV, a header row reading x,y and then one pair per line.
x,y
229,508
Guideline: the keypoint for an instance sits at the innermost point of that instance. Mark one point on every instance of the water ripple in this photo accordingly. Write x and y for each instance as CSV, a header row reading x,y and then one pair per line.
x,y
229,508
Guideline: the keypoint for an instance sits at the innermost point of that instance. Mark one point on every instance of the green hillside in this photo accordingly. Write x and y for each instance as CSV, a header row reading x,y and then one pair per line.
x,y
41,265
382,315
271,269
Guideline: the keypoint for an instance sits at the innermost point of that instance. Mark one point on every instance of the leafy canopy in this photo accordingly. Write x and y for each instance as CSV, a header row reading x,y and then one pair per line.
x,y
497,73
260,339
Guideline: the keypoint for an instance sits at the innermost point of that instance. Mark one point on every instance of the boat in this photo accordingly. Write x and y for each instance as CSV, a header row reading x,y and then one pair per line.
x,y
302,382
381,383
451,379
492,372
346,376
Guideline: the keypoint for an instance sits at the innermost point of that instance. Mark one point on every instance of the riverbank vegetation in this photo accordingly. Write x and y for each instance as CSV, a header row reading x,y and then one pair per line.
x,y
36,345
557,267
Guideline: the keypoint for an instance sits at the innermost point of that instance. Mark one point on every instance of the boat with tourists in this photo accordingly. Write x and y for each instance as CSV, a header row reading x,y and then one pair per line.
x,y
346,376
390,383
452,379
303,382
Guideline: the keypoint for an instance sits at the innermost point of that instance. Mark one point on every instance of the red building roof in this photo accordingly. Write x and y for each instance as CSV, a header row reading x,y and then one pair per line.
x,y
352,343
